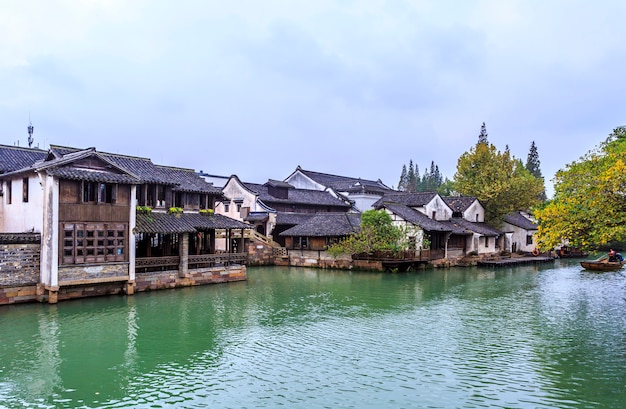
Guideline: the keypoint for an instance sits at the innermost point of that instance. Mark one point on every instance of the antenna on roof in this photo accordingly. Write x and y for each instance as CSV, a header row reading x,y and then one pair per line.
x,y
31,128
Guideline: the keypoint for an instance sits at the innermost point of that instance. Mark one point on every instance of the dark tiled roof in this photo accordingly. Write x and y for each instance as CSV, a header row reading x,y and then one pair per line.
x,y
184,223
14,158
214,221
186,180
68,172
408,199
519,220
182,179
346,183
416,217
162,223
297,196
327,225
278,183
477,227
459,203
19,238
257,217
286,218
456,228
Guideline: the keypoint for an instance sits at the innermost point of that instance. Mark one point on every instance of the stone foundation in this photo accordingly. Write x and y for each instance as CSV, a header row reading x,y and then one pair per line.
x,y
170,279
260,254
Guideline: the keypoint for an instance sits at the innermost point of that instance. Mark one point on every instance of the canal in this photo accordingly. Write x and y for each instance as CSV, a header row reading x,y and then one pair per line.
x,y
540,336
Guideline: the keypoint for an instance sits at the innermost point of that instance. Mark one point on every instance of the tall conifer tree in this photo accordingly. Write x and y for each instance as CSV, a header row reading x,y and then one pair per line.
x,y
482,137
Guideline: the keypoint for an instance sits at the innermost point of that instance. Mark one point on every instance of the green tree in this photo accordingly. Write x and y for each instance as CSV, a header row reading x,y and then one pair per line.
x,y
377,233
446,188
498,180
482,136
589,204
403,178
533,166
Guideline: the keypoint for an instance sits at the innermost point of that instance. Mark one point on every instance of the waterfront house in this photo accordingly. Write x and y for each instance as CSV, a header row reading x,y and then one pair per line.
x,y
363,193
94,237
522,230
454,226
276,206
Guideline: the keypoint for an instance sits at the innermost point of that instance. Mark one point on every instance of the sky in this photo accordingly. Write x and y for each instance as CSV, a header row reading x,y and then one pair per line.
x,y
355,88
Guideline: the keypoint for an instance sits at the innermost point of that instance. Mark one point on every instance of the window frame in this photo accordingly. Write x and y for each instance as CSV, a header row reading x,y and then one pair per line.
x,y
25,190
88,243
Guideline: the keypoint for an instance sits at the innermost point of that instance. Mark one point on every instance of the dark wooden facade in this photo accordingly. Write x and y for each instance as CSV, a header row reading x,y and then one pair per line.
x,y
93,222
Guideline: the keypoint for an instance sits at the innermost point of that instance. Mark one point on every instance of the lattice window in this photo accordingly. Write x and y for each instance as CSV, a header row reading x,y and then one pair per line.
x,y
93,242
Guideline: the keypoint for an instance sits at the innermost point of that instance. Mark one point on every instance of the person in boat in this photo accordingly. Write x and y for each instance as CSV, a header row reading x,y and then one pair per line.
x,y
615,257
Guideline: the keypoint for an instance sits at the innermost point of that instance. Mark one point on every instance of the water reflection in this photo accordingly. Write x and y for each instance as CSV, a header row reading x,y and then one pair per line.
x,y
533,337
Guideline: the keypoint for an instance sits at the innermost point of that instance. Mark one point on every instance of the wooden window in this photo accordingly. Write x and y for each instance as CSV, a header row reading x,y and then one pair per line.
x,y
108,193
303,242
529,240
141,195
90,192
226,207
179,199
25,190
160,195
434,215
93,243
9,192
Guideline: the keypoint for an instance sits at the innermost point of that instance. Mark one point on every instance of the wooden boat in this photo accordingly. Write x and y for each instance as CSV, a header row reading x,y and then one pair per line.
x,y
602,265
570,252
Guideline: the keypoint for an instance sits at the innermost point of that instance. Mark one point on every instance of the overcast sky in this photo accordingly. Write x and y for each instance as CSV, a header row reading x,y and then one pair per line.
x,y
356,88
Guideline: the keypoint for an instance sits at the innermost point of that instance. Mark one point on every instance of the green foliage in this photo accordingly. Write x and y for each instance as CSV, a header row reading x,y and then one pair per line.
x,y
377,233
207,211
175,210
498,180
410,180
144,209
482,137
589,204
533,166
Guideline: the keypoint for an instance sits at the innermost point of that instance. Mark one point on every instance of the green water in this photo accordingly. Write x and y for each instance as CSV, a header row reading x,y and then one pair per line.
x,y
530,337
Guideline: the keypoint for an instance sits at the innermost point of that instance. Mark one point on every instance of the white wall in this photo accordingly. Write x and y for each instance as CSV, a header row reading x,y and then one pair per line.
x,y
234,190
475,213
300,181
20,216
441,209
519,237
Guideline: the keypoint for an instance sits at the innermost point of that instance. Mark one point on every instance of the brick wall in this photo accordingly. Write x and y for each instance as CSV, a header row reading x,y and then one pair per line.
x,y
260,254
170,279
19,259
19,267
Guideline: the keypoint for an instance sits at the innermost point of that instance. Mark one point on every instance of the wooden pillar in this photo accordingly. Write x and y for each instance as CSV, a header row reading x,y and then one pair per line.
x,y
241,241
212,241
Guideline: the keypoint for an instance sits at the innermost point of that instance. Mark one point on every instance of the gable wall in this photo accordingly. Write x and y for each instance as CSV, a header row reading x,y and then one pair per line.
x,y
441,209
20,217
300,181
234,190
475,209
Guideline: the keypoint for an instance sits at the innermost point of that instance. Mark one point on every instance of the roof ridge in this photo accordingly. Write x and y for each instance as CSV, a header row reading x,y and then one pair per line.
x,y
121,155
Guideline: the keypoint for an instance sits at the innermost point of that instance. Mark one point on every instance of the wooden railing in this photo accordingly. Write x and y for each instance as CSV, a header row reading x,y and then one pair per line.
x,y
145,264
148,264
213,260
256,236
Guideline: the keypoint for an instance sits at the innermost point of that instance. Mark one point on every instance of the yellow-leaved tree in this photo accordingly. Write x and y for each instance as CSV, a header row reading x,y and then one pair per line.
x,y
500,182
589,204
